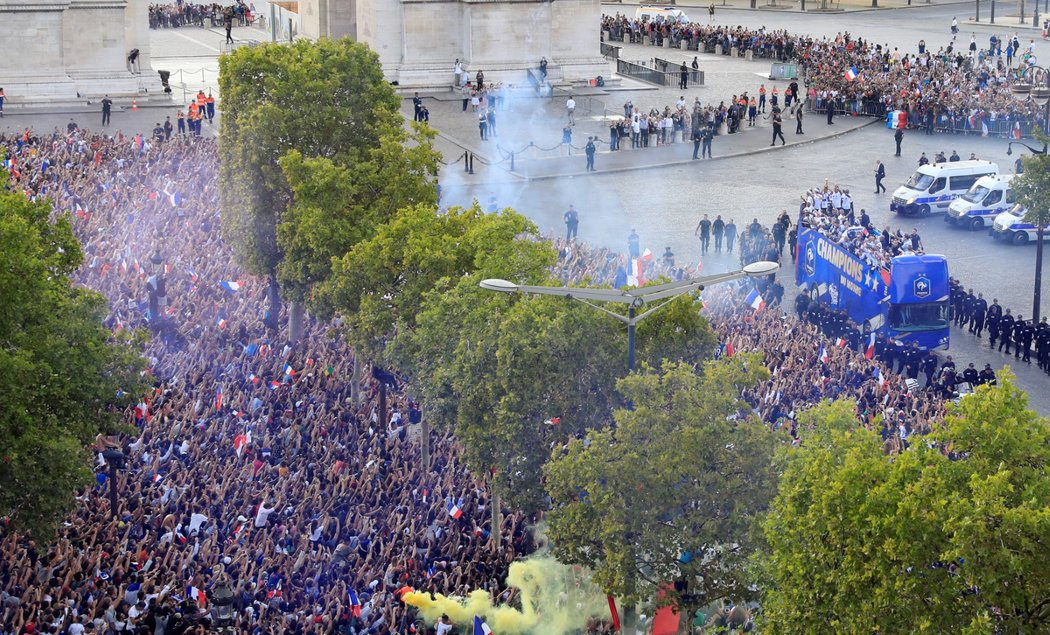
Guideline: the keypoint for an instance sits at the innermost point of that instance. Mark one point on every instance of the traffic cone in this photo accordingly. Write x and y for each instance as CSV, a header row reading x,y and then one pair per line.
x,y
134,105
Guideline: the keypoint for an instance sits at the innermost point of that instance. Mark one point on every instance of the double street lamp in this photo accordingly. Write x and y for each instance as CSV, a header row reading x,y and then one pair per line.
x,y
636,299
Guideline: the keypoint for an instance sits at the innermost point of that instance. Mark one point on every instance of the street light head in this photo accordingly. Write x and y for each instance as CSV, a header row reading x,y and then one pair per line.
x,y
497,284
761,268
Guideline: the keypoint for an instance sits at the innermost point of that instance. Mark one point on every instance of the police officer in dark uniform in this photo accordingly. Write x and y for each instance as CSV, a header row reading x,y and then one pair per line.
x,y
1015,337
880,349
980,310
929,365
890,352
995,314
915,357
1042,345
968,307
970,374
948,378
801,304
958,299
1006,331
987,376
1027,335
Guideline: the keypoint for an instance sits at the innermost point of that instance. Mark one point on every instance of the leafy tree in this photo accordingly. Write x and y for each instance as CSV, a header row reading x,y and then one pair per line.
x,y
64,373
672,491
947,536
1033,191
326,100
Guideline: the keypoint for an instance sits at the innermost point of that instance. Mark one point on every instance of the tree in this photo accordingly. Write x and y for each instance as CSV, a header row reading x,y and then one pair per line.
x,y
670,494
326,100
66,377
947,536
1033,191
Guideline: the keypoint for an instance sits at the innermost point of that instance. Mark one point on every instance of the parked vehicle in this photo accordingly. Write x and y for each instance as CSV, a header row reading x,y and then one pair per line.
x,y
933,187
978,207
1011,226
661,14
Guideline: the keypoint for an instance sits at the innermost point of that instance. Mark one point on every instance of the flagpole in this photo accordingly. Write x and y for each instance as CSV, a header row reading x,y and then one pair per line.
x,y
630,339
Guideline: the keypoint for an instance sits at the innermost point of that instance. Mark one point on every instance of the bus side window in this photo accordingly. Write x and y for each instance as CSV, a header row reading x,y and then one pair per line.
x,y
993,197
937,186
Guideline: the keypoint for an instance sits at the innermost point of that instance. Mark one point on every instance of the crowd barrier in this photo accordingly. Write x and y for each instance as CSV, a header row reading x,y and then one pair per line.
x,y
945,123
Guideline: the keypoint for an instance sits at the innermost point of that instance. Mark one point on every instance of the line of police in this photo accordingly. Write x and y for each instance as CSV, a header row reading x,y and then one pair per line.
x,y
974,313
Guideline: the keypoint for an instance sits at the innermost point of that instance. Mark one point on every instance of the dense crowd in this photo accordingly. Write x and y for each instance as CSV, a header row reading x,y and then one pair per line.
x,y
960,87
256,462
176,14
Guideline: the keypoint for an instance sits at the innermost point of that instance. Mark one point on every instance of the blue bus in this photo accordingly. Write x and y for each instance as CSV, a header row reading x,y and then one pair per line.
x,y
907,301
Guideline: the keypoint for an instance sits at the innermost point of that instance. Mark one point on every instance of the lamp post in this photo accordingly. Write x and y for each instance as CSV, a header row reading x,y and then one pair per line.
x,y
635,299
1036,86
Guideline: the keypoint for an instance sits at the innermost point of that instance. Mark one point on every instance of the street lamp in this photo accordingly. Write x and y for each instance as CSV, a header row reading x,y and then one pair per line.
x,y
1035,85
635,299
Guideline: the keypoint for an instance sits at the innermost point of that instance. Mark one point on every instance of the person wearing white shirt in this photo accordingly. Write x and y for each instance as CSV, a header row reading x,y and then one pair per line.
x,y
570,108
263,514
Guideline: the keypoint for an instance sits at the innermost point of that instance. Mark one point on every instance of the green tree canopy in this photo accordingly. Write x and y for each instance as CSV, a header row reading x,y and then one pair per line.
x,y
927,541
672,491
1033,187
380,285
328,101
63,370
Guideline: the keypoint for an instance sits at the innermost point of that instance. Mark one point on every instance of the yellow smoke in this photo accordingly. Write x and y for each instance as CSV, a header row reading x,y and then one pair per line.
x,y
555,600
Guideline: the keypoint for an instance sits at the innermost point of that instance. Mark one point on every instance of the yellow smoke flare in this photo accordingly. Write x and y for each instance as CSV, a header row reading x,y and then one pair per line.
x,y
555,600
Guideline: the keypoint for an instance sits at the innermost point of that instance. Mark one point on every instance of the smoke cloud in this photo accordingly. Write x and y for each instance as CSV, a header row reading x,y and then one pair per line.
x,y
555,599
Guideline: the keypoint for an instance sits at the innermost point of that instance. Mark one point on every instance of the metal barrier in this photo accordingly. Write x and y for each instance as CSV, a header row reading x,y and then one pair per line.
x,y
696,77
645,74
611,51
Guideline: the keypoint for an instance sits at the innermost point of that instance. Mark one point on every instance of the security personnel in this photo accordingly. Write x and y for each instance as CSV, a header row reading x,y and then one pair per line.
x,y
969,303
180,118
915,357
929,366
995,314
980,310
1042,346
970,375
987,376
1027,335
1006,331
958,299
209,103
1018,333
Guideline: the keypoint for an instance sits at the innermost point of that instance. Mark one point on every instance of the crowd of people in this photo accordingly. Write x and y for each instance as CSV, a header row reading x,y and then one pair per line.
x,y
176,14
956,88
256,462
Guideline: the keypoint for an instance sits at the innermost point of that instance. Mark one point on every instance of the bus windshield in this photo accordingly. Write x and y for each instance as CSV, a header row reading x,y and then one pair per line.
x,y
976,194
919,181
927,316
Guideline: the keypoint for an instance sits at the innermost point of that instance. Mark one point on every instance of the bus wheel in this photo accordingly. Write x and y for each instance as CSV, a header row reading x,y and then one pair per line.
x,y
924,211
1020,238
977,224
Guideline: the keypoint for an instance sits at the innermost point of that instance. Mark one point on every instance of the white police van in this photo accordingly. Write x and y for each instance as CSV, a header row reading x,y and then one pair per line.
x,y
661,14
933,187
1012,226
978,207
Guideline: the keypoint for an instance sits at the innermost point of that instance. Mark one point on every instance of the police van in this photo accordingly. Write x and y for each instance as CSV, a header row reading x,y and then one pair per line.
x,y
933,187
1012,226
978,207
661,14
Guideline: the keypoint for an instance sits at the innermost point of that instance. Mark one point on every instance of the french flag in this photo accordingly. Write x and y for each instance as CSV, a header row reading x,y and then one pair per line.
x,y
221,322
851,73
9,164
840,342
823,357
870,351
288,372
175,199
252,378
635,277
193,275
355,603
480,627
647,255
232,286
218,397
755,301
274,385
454,510
196,594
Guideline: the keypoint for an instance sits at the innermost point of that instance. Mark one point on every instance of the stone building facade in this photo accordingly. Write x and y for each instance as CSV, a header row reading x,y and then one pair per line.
x,y
73,49
418,41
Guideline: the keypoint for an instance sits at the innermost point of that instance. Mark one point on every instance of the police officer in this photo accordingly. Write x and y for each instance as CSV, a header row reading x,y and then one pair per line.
x,y
958,300
915,357
968,308
980,310
987,376
1042,346
1006,331
929,365
970,374
1027,335
995,314
1015,337
801,305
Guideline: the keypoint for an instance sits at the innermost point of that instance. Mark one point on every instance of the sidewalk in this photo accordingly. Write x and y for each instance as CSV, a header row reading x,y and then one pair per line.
x,y
697,11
